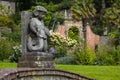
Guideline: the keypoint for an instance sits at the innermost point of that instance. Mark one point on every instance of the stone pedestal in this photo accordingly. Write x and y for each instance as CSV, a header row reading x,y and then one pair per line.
x,y
36,60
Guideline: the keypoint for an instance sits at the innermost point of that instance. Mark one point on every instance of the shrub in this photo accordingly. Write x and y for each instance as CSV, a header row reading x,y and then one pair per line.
x,y
108,56
85,56
5,49
6,22
60,52
115,37
16,54
65,60
57,39
61,44
13,37
16,18
117,56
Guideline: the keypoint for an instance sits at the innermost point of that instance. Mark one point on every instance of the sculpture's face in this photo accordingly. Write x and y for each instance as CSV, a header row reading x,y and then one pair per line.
x,y
41,14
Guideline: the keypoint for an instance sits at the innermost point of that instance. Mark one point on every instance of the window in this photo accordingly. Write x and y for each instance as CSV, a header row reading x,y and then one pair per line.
x,y
8,7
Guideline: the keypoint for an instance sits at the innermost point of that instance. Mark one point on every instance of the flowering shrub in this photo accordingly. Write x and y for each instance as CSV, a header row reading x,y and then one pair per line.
x,y
57,39
62,45
16,54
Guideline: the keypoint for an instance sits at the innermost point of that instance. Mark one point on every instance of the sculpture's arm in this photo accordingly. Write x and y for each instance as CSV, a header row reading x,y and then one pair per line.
x,y
47,32
33,26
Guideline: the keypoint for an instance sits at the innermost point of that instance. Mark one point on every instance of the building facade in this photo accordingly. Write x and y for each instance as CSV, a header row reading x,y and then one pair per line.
x,y
8,5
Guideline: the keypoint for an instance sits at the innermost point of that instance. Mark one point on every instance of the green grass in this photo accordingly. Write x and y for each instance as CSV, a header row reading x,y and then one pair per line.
x,y
97,72
7,65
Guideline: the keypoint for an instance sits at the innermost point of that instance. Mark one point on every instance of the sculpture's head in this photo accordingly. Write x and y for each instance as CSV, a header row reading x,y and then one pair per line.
x,y
39,12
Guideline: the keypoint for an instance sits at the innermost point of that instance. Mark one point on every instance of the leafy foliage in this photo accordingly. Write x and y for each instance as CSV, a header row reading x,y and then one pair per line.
x,y
14,37
5,49
16,54
16,18
115,36
85,56
108,56
112,15
60,52
81,7
6,22
73,33
65,4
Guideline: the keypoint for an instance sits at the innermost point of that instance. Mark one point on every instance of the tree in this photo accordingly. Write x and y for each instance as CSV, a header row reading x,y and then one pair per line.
x,y
112,13
112,18
84,8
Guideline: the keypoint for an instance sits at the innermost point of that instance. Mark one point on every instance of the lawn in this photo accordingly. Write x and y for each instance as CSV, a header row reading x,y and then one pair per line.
x,y
7,65
97,72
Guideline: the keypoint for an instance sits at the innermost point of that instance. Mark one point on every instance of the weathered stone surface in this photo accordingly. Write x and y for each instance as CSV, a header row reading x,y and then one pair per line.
x,y
39,74
105,40
25,19
92,40
34,40
34,60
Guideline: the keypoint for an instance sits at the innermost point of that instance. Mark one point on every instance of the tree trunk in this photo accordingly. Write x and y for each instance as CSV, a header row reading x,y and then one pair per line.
x,y
103,6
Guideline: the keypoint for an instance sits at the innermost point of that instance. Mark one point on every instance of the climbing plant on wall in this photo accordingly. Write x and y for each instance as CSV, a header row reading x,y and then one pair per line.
x,y
73,33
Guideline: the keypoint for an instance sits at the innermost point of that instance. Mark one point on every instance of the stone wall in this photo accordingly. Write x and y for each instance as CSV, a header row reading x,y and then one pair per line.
x,y
63,29
9,5
25,73
92,40
105,40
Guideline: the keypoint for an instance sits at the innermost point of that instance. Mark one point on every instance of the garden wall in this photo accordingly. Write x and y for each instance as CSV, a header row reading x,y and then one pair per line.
x,y
92,40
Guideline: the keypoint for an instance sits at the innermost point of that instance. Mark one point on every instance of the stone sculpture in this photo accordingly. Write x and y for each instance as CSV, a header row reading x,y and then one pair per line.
x,y
34,40
37,36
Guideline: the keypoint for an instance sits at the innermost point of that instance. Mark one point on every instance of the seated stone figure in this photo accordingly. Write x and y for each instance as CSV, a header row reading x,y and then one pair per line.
x,y
37,36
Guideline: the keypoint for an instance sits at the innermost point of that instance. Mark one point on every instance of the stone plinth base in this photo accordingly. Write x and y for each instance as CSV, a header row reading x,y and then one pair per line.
x,y
36,60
